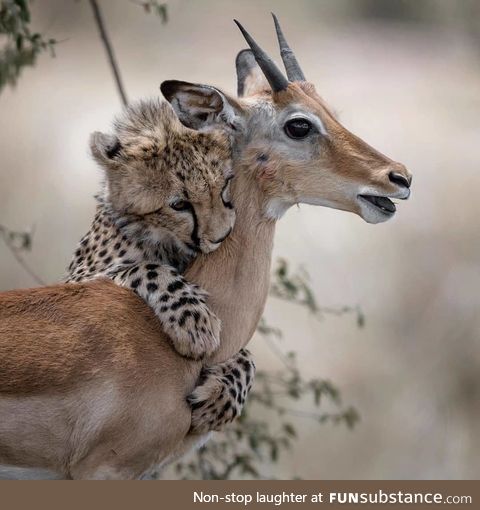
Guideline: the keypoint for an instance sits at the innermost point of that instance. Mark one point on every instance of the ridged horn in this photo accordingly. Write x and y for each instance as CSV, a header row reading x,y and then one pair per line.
x,y
294,71
272,73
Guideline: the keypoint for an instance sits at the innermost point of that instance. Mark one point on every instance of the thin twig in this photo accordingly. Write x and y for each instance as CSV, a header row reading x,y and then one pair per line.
x,y
277,351
109,49
4,232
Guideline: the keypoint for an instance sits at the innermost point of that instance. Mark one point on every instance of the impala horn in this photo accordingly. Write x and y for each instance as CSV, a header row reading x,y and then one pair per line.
x,y
272,73
294,71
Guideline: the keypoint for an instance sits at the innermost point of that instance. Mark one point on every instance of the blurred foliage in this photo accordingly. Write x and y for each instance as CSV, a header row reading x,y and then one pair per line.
x,y
18,243
295,288
23,46
18,240
268,425
152,6
21,50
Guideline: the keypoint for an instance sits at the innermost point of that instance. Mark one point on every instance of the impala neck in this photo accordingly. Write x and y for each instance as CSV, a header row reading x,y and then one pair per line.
x,y
237,275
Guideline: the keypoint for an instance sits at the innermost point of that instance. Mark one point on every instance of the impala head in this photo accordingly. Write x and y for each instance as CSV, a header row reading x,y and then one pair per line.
x,y
285,133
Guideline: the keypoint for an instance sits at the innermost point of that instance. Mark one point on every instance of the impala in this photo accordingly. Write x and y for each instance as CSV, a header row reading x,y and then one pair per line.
x,y
89,385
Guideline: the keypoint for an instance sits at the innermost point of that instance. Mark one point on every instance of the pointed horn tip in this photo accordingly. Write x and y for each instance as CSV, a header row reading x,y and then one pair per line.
x,y
276,22
278,28
274,76
294,72
242,29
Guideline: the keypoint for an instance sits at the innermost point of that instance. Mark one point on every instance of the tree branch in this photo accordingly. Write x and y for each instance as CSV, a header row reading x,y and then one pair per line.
x,y
108,48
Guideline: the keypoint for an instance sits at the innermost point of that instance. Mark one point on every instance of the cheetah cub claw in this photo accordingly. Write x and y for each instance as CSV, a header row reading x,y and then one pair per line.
x,y
221,393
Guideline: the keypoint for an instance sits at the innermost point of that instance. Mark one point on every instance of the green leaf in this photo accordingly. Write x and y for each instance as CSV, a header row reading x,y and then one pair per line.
x,y
360,319
289,429
253,441
274,452
19,42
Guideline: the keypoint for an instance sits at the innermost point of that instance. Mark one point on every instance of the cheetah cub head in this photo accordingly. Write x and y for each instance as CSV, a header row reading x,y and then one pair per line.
x,y
164,182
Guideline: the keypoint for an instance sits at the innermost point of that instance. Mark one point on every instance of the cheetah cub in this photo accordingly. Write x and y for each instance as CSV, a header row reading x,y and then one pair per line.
x,y
165,199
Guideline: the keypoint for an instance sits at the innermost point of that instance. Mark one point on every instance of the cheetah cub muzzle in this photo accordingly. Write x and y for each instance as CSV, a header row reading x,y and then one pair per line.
x,y
166,198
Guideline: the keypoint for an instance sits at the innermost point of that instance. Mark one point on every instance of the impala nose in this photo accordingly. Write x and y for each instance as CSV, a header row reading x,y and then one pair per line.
x,y
400,179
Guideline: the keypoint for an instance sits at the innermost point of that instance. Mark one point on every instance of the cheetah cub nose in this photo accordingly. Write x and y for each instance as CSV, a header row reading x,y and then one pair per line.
x,y
218,241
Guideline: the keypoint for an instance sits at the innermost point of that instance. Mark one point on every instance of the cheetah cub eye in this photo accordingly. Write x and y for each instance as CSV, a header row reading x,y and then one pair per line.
x,y
181,205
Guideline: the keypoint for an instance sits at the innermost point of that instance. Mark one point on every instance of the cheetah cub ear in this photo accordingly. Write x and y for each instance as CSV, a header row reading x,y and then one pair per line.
x,y
105,148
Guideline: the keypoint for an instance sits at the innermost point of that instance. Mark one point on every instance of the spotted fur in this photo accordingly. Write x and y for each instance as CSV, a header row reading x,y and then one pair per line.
x,y
221,392
140,237
141,243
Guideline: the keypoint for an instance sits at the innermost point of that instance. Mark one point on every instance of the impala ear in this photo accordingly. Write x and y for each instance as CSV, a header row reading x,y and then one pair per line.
x,y
250,78
202,107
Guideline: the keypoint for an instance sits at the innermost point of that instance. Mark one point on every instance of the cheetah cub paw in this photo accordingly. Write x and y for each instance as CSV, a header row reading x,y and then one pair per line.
x,y
193,329
221,393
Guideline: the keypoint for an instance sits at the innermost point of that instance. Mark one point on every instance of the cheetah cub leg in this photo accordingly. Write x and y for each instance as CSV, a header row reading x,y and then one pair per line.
x,y
179,305
221,393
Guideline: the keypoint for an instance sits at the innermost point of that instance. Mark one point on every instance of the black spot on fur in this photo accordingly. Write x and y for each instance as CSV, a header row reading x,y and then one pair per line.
x,y
183,317
196,405
176,285
152,287
136,283
181,302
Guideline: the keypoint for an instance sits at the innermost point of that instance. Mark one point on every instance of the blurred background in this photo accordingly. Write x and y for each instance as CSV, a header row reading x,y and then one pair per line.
x,y
404,76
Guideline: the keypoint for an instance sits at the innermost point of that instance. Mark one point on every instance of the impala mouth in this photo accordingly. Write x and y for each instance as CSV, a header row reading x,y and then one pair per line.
x,y
383,204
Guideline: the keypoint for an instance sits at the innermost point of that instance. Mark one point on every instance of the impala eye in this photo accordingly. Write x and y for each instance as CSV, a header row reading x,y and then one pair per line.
x,y
181,205
298,128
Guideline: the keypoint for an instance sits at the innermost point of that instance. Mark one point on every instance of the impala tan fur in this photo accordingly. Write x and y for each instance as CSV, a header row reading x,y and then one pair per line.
x,y
288,149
